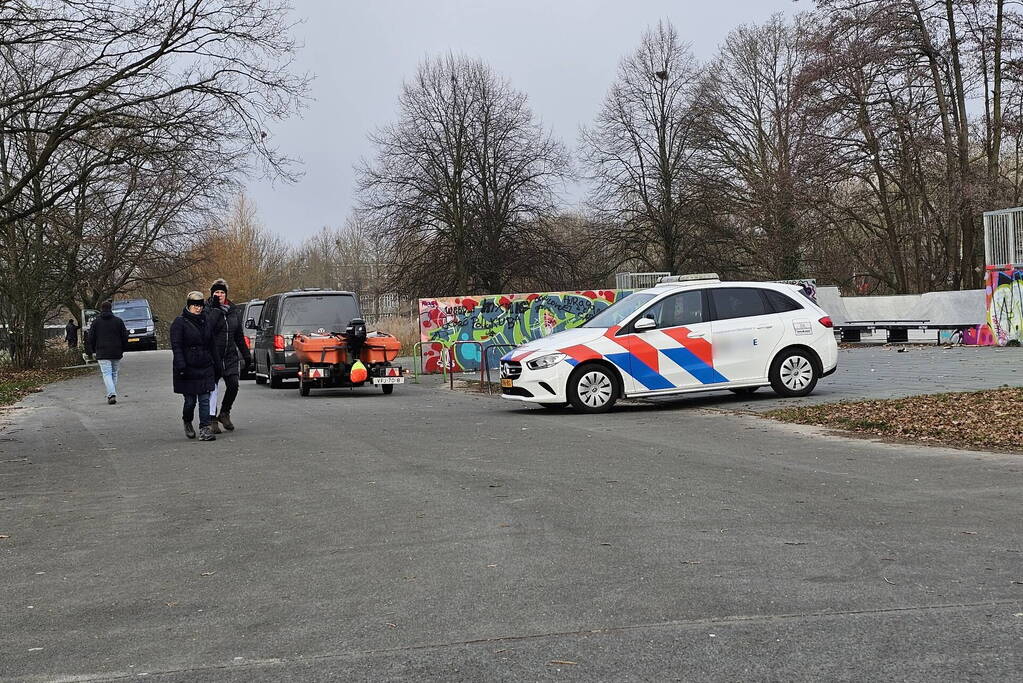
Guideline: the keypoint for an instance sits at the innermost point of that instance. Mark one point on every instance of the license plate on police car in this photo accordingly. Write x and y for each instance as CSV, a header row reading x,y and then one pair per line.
x,y
506,383
388,380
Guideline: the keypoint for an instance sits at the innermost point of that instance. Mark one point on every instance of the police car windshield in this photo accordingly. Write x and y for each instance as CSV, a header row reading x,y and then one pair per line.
x,y
619,311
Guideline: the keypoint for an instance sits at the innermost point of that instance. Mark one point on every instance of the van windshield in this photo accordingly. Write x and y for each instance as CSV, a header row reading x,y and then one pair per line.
x,y
307,314
136,312
619,311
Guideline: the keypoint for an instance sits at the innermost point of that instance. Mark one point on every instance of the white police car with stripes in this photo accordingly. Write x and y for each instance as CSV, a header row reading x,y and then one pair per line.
x,y
687,334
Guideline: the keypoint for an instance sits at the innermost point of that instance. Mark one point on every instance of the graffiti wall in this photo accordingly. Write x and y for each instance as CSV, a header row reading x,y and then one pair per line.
x,y
1004,294
503,320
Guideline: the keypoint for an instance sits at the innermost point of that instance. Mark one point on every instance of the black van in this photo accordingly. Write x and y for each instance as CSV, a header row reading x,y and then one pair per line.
x,y
140,322
251,309
285,315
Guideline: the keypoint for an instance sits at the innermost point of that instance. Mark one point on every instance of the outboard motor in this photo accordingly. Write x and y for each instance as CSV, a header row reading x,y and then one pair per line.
x,y
355,336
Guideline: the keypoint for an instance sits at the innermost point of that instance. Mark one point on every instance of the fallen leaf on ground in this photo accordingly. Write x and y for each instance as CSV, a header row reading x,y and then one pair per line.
x,y
563,662
971,419
208,573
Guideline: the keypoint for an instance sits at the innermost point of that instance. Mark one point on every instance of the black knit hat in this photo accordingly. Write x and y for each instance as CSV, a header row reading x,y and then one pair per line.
x,y
219,284
194,298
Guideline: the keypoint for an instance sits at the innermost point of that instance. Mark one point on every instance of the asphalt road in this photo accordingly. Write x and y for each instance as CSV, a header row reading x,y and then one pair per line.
x,y
431,535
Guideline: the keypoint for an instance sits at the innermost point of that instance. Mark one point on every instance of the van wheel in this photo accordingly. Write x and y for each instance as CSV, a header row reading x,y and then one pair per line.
x,y
260,379
793,374
275,382
592,389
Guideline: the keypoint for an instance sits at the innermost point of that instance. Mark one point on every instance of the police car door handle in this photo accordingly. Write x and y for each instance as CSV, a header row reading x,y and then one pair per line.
x,y
697,335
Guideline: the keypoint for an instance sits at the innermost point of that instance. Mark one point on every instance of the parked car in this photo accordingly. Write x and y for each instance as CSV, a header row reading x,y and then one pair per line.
x,y
691,334
139,320
308,311
252,309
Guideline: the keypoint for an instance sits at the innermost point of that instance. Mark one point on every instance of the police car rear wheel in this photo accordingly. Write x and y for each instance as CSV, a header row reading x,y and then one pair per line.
x,y
592,389
793,374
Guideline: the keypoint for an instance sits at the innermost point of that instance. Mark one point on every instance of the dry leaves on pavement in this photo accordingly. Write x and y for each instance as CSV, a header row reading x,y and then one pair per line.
x,y
990,419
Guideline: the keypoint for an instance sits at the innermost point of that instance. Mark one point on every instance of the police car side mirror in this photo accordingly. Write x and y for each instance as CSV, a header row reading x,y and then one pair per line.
x,y
644,324
250,324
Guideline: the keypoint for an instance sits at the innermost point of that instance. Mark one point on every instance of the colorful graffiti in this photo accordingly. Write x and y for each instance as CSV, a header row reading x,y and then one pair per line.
x,y
979,335
503,320
1004,294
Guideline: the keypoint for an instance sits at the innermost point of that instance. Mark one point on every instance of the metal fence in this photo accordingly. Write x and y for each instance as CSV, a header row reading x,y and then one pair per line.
x,y
1003,237
637,280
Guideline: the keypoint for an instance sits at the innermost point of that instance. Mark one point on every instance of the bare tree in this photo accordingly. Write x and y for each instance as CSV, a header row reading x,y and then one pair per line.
x,y
463,182
212,69
639,153
762,156
118,120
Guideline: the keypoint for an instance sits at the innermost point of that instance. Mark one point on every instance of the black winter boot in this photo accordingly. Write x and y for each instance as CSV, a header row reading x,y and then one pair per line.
x,y
189,429
225,419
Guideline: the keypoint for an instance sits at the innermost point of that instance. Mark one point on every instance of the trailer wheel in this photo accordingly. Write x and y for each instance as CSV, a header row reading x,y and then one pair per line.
x,y
303,386
388,388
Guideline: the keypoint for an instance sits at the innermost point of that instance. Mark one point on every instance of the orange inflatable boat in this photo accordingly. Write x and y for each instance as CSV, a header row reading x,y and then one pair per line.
x,y
332,349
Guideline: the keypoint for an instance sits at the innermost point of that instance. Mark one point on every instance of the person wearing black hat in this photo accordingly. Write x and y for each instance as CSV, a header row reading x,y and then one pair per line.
x,y
194,364
226,324
108,340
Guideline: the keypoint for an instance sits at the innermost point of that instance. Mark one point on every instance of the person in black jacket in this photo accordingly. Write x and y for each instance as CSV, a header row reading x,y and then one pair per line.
x,y
71,334
108,340
194,364
228,333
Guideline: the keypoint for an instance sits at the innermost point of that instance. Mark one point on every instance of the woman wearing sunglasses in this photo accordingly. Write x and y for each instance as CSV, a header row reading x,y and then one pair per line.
x,y
194,373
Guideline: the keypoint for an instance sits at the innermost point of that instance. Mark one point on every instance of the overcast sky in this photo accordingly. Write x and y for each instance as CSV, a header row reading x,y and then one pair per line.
x,y
562,53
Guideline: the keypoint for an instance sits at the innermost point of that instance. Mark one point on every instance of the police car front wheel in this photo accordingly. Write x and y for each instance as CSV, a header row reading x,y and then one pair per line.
x,y
592,389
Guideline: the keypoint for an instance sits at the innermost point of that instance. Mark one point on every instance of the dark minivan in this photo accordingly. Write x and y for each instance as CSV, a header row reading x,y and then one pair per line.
x,y
251,309
285,315
139,321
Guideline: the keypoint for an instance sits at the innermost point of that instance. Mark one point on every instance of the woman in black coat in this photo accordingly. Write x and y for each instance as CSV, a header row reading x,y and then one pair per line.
x,y
194,364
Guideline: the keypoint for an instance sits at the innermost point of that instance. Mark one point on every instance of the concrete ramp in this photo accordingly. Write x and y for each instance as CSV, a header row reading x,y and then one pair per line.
x,y
937,308
833,304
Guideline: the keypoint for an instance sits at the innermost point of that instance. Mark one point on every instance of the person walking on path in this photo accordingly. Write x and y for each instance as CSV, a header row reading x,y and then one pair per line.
x,y
225,320
194,364
71,334
108,340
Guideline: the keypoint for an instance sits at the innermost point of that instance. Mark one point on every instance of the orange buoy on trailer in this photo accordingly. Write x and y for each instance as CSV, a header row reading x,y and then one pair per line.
x,y
358,373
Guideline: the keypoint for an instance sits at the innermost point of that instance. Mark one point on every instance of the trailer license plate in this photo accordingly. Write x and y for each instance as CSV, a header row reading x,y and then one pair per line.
x,y
506,383
388,380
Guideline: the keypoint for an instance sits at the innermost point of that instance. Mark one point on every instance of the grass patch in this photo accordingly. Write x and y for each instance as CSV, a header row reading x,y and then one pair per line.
x,y
17,384
986,420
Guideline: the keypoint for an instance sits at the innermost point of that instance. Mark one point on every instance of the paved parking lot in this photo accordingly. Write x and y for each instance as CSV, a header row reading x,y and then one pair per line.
x,y
889,372
437,535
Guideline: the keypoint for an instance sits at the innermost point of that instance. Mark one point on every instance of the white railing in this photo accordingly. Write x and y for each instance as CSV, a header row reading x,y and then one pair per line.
x,y
637,280
1003,237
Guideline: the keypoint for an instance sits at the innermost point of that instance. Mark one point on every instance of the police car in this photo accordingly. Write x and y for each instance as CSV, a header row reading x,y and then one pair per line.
x,y
689,333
